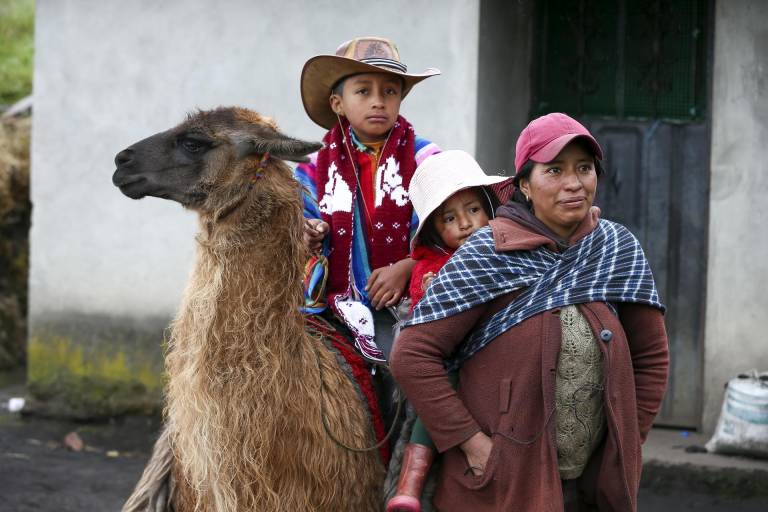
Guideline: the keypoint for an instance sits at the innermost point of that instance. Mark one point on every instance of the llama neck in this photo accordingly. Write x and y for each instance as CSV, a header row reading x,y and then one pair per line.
x,y
244,411
254,270
237,349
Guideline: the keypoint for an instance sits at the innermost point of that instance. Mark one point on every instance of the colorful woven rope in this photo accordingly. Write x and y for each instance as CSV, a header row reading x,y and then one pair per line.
x,y
315,278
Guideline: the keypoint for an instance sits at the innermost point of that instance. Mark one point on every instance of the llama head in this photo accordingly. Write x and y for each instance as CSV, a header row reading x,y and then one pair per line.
x,y
211,161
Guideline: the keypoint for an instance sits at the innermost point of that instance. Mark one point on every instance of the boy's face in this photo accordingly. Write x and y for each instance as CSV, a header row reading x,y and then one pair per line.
x,y
459,216
371,103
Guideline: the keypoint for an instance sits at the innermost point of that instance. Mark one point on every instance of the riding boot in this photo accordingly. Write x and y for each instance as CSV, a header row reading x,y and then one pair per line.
x,y
417,459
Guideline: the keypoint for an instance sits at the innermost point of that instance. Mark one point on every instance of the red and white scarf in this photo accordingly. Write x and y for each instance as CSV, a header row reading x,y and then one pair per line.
x,y
337,189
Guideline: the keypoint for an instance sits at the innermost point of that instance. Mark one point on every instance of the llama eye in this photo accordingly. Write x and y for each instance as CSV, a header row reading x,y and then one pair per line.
x,y
191,145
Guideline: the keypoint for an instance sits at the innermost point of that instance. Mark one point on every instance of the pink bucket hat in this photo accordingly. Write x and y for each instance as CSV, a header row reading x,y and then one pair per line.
x,y
439,177
546,136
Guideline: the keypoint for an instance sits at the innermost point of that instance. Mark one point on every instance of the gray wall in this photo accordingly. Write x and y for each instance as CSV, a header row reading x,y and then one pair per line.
x,y
506,79
738,268
110,73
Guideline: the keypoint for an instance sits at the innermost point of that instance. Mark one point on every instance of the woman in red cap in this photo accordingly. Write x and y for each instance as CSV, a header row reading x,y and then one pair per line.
x,y
552,317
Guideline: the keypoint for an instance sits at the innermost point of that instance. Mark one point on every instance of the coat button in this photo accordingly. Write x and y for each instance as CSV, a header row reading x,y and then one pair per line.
x,y
606,335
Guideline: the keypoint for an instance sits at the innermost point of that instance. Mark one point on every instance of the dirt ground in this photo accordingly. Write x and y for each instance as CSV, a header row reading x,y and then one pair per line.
x,y
38,473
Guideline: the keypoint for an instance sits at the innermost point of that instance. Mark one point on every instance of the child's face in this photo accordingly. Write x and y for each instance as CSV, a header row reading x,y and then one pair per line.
x,y
459,216
371,103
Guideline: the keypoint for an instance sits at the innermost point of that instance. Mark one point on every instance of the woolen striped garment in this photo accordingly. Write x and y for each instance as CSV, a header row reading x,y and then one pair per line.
x,y
607,265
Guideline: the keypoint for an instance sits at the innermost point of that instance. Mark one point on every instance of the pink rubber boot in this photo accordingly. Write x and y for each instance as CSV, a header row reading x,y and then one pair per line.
x,y
417,460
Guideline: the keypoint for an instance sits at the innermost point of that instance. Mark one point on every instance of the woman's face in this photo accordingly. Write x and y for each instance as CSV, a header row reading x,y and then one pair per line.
x,y
562,191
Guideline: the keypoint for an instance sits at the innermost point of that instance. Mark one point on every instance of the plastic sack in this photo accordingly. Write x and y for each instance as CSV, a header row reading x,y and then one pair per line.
x,y
743,424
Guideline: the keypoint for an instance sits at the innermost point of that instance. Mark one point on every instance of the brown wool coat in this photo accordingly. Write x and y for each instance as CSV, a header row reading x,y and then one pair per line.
x,y
507,390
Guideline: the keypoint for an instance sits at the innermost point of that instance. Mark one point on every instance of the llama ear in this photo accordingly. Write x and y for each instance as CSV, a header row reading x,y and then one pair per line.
x,y
279,146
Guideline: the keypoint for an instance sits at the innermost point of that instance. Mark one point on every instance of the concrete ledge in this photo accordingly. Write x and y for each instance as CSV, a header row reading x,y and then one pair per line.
x,y
667,466
93,366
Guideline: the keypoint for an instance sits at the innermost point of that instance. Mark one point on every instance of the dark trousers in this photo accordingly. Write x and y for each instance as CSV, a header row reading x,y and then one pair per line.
x,y
383,382
573,498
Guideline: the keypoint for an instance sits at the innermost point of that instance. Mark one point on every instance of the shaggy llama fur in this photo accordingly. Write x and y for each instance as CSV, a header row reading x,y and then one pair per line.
x,y
243,394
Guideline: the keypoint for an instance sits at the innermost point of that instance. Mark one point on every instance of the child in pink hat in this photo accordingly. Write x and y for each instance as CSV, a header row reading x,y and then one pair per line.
x,y
455,198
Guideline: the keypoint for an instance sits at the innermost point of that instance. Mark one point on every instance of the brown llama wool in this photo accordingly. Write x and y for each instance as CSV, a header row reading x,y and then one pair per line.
x,y
243,415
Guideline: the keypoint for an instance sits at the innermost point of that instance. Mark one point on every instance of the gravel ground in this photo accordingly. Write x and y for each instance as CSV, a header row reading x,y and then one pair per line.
x,y
651,501
39,473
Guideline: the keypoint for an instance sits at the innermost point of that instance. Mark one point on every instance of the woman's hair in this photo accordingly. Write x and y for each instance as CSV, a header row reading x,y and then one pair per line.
x,y
429,237
525,170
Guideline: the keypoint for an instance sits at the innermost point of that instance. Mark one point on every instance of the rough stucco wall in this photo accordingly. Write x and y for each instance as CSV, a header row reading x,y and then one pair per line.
x,y
504,90
105,269
738,270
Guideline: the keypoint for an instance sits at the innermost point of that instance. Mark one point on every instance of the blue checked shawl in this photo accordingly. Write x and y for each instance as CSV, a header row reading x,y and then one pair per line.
x,y
608,265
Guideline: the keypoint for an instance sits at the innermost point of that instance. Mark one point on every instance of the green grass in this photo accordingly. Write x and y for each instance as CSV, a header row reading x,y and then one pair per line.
x,y
17,22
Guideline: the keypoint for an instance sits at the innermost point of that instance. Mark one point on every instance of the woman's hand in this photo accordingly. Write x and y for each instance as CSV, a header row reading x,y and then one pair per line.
x,y
387,284
477,449
315,231
426,280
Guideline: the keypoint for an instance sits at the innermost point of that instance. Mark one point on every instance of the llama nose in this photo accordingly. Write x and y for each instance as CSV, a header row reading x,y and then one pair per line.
x,y
124,157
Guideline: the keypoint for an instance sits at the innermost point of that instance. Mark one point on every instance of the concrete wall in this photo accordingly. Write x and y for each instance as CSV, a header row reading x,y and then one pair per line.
x,y
738,268
505,81
107,272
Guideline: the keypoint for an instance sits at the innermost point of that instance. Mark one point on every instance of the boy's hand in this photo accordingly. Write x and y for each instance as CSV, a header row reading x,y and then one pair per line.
x,y
315,231
426,280
387,284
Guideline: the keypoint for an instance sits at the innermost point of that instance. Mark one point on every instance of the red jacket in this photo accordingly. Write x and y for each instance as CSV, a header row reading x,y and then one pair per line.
x,y
507,390
427,260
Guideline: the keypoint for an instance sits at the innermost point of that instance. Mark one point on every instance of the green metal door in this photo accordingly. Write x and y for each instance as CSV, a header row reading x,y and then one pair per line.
x,y
636,73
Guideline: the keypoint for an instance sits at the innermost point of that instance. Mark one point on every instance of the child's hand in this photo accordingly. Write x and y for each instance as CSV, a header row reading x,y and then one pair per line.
x,y
314,233
387,284
426,280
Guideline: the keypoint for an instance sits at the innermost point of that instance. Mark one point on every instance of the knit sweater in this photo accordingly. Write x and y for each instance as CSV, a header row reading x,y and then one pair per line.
x,y
427,260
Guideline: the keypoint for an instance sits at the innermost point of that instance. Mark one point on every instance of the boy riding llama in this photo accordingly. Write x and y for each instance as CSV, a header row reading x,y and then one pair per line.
x,y
358,213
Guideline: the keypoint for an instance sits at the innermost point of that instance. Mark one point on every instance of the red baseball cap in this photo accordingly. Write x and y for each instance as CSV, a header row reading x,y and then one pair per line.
x,y
546,136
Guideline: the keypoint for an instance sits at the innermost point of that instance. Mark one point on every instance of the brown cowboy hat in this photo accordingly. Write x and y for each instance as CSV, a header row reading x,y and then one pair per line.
x,y
360,55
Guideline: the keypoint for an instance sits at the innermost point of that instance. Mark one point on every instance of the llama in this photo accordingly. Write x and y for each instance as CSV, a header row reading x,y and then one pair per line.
x,y
243,403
